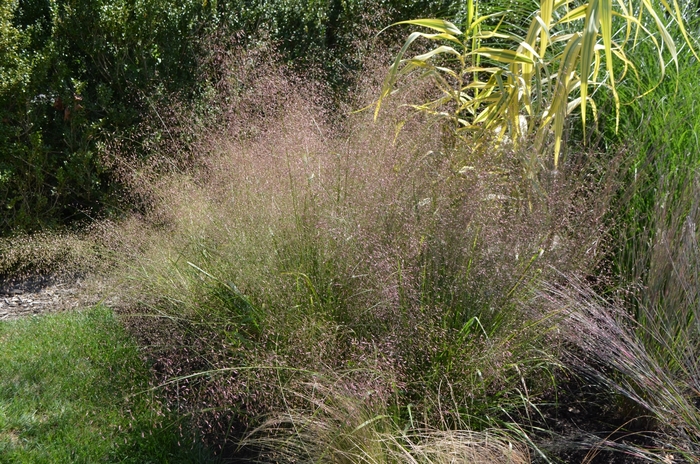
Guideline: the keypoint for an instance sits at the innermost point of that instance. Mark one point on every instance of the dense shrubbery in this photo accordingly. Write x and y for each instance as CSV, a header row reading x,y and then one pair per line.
x,y
75,75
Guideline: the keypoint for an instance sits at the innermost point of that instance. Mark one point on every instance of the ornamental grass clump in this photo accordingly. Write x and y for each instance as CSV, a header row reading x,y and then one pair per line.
x,y
639,348
318,247
331,421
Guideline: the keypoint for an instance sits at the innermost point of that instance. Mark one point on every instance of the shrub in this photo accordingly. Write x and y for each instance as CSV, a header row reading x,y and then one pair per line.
x,y
74,73
78,77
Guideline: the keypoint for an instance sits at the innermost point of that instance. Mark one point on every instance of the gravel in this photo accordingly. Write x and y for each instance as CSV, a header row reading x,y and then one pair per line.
x,y
41,295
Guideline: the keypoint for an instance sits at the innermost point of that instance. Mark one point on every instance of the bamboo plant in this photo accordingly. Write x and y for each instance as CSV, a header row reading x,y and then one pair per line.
x,y
524,87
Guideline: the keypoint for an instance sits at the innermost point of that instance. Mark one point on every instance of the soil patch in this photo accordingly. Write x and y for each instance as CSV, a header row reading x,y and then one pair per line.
x,y
44,294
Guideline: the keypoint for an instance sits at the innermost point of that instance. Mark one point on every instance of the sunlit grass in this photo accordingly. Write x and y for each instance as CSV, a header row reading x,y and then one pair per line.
x,y
73,388
639,343
490,79
325,246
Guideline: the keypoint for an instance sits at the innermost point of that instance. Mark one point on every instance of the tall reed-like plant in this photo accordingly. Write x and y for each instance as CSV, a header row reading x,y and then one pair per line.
x,y
525,86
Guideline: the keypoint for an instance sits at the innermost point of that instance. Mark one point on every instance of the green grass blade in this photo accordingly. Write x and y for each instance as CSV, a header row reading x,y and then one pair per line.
x,y
589,41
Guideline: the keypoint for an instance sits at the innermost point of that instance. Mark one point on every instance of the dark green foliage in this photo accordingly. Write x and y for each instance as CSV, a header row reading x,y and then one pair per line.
x,y
326,34
74,73
78,74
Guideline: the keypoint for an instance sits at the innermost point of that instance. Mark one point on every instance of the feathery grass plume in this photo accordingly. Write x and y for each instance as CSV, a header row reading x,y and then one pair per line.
x,y
325,247
647,362
336,424
59,254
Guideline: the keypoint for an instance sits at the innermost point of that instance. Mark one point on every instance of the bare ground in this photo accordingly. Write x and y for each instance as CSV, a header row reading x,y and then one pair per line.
x,y
43,294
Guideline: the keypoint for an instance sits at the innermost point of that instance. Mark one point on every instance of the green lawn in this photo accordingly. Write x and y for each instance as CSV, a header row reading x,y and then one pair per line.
x,y
73,389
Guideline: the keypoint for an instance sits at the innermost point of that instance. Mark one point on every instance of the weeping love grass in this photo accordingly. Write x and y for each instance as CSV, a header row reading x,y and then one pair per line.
x,y
332,423
61,254
323,246
648,363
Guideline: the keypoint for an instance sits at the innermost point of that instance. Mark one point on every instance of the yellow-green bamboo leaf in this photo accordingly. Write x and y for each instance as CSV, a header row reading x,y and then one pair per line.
x,y
546,10
560,3
428,109
557,107
481,69
638,23
626,15
471,10
439,25
560,117
393,71
484,115
537,26
589,40
495,35
626,63
606,15
573,104
558,135
481,19
575,14
501,55
513,116
464,98
668,40
562,37
606,10
526,47
542,29
533,54
680,22
478,85
411,65
594,109
441,36
443,49
447,71
596,66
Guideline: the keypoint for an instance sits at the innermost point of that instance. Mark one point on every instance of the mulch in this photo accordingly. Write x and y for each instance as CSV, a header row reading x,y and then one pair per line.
x,y
41,295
